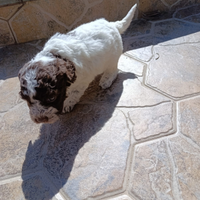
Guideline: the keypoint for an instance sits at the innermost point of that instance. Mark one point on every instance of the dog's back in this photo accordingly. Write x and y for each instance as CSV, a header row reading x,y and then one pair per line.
x,y
56,78
93,45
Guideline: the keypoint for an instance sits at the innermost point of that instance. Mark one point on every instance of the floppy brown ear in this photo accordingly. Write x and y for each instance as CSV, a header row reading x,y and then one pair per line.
x,y
68,68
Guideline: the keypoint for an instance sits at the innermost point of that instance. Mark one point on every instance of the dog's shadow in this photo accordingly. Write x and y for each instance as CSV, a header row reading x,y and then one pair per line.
x,y
58,144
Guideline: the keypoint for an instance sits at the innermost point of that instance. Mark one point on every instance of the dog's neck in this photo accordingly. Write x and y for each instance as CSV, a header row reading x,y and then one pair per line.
x,y
58,56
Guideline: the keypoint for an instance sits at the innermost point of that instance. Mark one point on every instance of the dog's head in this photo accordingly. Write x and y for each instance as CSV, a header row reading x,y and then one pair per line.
x,y
43,85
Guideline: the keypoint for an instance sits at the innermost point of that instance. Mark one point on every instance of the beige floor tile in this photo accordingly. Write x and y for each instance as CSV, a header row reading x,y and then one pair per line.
x,y
189,119
137,140
186,158
6,37
175,70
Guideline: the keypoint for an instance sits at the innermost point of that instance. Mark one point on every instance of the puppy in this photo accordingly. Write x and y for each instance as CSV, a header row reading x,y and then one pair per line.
x,y
55,79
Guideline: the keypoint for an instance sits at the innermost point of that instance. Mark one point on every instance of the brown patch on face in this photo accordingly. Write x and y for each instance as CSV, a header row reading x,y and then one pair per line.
x,y
52,81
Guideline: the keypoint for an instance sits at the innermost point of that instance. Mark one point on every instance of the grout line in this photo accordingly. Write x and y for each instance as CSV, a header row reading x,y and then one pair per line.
x,y
145,106
155,138
9,23
185,97
11,178
189,22
12,32
179,44
87,7
19,8
49,14
132,193
175,186
189,140
130,154
183,8
18,176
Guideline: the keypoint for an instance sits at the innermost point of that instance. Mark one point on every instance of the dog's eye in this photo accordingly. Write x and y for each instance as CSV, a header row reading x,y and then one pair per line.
x,y
52,84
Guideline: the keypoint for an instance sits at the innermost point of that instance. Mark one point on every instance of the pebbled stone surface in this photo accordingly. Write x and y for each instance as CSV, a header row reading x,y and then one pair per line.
x,y
104,10
188,12
140,27
123,197
6,37
151,121
138,139
89,159
193,18
147,6
189,119
151,171
31,18
172,32
13,57
7,11
187,164
72,9
140,48
172,74
126,91
9,94
35,185
128,64
17,134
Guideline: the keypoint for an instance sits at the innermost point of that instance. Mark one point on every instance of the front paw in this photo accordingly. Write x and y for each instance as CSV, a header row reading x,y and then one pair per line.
x,y
67,109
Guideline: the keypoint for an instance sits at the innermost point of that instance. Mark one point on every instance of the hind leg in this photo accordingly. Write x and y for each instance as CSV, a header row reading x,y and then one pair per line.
x,y
108,77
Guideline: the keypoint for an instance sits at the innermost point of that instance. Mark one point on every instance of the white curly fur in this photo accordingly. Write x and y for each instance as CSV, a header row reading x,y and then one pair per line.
x,y
94,48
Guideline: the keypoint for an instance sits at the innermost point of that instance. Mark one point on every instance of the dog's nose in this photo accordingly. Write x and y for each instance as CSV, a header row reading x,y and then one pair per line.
x,y
41,120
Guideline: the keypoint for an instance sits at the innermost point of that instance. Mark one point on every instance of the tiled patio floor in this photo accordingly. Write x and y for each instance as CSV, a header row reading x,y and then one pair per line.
x,y
138,140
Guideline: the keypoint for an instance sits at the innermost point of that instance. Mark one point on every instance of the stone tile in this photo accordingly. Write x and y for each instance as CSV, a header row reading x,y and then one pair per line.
x,y
128,64
151,174
126,91
20,54
92,1
88,158
123,197
36,24
151,121
170,2
105,10
193,18
66,12
184,3
9,90
147,6
171,32
140,48
7,11
187,164
34,188
172,74
17,134
6,37
137,28
189,119
187,12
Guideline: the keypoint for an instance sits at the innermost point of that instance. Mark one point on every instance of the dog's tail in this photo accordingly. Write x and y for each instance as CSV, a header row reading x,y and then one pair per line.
x,y
125,22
